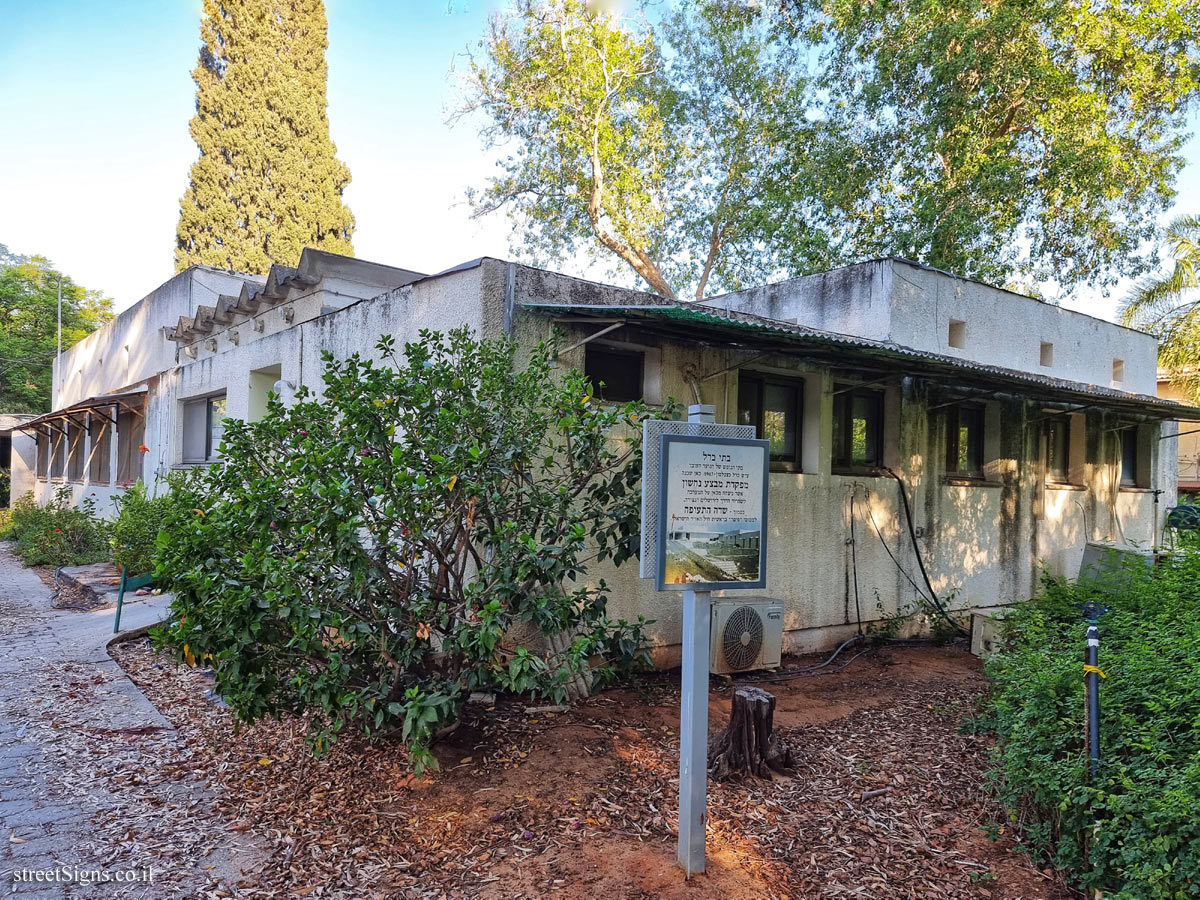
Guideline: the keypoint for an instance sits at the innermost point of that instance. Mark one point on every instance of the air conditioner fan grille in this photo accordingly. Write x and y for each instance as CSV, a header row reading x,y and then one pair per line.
x,y
742,638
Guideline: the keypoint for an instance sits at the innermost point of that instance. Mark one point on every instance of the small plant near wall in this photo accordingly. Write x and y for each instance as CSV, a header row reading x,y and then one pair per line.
x,y
58,533
370,555
135,530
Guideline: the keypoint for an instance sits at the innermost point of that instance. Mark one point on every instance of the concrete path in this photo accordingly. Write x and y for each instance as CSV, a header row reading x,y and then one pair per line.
x,y
80,750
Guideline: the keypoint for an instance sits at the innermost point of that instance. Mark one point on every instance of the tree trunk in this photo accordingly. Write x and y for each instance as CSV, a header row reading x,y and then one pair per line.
x,y
748,745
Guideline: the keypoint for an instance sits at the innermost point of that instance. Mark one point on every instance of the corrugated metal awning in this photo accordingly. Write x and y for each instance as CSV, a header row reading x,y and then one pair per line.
x,y
727,328
133,401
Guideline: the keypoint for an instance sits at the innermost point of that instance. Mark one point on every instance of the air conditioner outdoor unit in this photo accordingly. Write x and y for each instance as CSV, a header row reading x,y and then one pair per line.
x,y
746,634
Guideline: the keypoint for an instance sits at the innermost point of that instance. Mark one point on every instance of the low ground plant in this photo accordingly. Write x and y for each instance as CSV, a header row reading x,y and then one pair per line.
x,y
57,533
1133,833
419,530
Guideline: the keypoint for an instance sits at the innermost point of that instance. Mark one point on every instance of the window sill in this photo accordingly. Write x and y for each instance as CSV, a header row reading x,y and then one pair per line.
x,y
1134,489
868,472
1062,486
967,481
786,468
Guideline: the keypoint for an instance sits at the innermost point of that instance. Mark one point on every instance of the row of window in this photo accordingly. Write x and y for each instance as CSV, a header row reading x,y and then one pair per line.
x,y
957,337
70,447
774,405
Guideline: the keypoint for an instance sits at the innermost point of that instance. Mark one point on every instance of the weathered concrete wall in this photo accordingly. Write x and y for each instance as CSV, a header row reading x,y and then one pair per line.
x,y
897,301
131,348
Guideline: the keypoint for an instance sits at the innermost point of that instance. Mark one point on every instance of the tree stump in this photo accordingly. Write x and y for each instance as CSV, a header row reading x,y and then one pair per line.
x,y
748,745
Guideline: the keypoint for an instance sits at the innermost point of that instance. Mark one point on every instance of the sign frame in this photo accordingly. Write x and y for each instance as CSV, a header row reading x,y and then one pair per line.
x,y
667,440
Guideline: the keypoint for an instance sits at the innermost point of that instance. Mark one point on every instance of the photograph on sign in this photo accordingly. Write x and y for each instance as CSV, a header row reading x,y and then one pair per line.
x,y
712,513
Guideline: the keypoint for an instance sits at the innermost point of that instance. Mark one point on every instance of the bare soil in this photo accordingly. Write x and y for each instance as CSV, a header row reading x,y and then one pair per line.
x,y
582,804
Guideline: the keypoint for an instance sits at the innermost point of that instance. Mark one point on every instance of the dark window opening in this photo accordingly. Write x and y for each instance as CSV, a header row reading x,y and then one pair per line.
x,y
42,466
615,375
99,431
773,406
964,441
74,451
1058,450
58,453
1129,456
857,429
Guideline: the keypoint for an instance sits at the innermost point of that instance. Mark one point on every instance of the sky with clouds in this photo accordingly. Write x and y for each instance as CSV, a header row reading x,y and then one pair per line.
x,y
95,151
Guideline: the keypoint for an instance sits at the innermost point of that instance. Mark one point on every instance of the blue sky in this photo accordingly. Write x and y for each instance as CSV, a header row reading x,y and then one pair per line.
x,y
95,100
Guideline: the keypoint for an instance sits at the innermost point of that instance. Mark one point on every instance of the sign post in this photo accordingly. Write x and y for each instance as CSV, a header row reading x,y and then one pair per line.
x,y
705,530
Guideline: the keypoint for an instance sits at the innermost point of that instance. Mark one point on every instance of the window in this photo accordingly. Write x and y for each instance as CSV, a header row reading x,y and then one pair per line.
x,y
1047,353
43,455
74,451
100,433
857,428
203,424
964,441
773,406
958,334
1118,370
58,452
1058,449
615,375
131,432
1129,456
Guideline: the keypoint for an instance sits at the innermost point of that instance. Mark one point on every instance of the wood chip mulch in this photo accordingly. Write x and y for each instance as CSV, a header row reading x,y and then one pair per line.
x,y
532,802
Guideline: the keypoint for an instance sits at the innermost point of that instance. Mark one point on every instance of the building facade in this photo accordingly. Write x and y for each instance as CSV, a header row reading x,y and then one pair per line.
x,y
909,411
1188,441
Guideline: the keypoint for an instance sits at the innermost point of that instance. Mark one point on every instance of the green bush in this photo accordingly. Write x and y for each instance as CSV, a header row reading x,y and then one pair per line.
x,y
59,533
1147,799
135,530
368,556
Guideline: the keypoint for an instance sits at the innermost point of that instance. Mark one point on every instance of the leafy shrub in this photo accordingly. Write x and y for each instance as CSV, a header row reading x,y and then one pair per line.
x,y
1147,798
366,556
135,530
59,533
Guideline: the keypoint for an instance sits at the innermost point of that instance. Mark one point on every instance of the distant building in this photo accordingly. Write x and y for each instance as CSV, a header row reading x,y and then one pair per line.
x,y
1189,438
1018,430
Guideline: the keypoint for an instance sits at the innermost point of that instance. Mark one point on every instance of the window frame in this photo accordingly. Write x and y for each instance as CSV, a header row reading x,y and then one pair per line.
x,y
1130,444
210,448
99,462
760,381
844,395
1054,423
975,436
43,445
592,348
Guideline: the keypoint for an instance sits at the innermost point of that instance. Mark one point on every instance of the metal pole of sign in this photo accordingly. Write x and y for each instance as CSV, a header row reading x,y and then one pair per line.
x,y
693,719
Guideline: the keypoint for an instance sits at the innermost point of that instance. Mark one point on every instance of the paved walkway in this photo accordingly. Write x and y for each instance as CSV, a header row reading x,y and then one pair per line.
x,y
81,752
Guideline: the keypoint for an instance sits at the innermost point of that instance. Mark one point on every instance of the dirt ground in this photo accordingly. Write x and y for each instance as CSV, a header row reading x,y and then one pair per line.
x,y
582,804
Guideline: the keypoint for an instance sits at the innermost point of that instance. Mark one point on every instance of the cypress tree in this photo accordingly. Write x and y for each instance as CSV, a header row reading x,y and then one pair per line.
x,y
267,183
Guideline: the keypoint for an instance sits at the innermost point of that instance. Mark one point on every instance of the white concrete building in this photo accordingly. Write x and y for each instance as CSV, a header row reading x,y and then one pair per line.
x,y
1019,430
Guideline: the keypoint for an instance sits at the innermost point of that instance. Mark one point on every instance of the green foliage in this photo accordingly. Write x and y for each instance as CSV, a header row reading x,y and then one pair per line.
x,y
59,533
135,530
653,145
1015,142
267,183
420,529
1008,141
1147,799
29,326
1168,308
